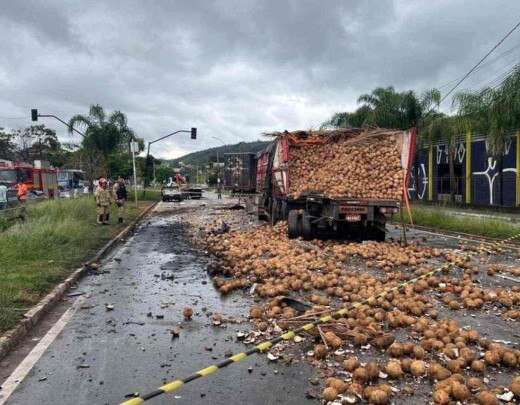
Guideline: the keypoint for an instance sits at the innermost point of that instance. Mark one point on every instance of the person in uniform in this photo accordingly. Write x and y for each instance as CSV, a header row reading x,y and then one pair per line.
x,y
21,194
103,201
121,196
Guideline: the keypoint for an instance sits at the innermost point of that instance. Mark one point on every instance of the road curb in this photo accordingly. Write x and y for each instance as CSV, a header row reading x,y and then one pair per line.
x,y
12,337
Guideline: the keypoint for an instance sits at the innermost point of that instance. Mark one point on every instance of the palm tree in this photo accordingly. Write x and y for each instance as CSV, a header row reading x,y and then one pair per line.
x,y
104,134
493,111
354,119
402,110
384,107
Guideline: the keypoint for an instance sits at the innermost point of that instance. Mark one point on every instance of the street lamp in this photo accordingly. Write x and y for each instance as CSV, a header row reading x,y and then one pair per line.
x,y
192,131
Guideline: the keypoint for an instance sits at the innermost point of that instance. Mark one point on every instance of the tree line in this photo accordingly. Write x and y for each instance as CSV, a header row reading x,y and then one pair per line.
x,y
103,151
491,111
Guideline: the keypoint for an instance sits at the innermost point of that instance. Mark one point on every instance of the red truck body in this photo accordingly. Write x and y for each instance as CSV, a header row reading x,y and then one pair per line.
x,y
353,214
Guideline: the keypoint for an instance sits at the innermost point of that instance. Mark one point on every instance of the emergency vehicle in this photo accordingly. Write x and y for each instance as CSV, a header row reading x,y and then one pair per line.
x,y
40,177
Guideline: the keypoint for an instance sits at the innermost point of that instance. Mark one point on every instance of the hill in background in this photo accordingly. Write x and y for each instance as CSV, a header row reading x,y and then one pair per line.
x,y
203,157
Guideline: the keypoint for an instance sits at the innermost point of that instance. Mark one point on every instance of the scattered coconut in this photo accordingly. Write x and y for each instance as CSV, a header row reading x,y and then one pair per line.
x,y
418,368
329,394
394,370
487,398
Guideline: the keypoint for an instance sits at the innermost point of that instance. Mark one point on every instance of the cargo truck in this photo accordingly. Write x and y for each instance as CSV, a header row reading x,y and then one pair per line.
x,y
240,172
317,213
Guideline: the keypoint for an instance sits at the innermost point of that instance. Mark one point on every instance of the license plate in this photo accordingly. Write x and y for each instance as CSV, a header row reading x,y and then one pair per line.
x,y
353,218
352,209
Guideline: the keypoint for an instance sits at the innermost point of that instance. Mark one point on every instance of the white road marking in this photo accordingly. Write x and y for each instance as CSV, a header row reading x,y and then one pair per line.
x,y
19,374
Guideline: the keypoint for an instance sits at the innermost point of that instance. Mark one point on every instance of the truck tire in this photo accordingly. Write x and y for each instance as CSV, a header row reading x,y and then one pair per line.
x,y
275,211
377,234
283,211
294,224
307,228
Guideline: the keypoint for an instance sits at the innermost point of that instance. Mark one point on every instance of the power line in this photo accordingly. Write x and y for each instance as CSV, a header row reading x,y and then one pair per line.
x,y
489,62
500,76
480,61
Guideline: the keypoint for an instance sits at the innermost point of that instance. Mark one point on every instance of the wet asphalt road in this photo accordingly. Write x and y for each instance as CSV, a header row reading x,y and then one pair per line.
x,y
103,355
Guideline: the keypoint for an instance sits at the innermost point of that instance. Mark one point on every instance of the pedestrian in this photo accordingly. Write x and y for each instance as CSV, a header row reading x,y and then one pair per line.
x,y
121,197
219,190
103,201
3,197
21,194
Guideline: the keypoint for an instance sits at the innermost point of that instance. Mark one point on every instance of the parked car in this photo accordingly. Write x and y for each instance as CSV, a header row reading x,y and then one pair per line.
x,y
171,193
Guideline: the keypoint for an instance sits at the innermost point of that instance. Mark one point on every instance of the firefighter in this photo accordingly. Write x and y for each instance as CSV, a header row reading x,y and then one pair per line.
x,y
103,201
21,194
121,197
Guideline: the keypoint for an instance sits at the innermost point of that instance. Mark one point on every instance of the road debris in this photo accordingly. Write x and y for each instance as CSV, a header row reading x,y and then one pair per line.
x,y
175,332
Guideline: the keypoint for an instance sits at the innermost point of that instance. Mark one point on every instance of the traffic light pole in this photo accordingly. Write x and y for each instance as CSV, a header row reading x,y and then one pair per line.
x,y
35,116
193,133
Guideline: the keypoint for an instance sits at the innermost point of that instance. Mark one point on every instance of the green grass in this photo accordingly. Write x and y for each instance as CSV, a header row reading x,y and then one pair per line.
x,y
438,219
151,194
57,236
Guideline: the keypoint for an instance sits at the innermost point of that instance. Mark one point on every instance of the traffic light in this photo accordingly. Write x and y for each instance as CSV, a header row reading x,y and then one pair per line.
x,y
34,114
194,133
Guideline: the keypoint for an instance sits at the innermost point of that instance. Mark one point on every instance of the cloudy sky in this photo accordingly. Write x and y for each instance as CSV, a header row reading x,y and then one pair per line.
x,y
237,68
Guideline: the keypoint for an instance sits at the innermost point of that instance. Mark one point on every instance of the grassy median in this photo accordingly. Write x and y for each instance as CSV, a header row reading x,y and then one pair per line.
x,y
55,239
437,218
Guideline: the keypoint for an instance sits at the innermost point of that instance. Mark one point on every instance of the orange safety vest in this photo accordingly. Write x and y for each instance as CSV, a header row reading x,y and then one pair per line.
x,y
21,191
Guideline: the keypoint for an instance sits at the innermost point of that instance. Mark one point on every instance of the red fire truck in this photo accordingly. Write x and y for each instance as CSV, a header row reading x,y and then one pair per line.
x,y
40,178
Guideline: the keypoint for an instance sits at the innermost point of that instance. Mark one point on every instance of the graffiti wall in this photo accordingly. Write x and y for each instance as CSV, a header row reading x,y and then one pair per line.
x,y
418,184
487,186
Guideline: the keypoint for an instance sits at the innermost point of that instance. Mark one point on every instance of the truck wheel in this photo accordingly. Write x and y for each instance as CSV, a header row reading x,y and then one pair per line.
x,y
283,211
375,233
275,211
294,224
307,228
378,235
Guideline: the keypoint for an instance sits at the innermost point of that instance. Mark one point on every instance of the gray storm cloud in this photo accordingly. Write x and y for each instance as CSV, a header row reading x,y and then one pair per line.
x,y
237,68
